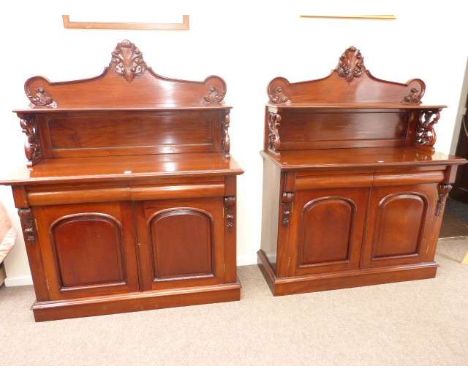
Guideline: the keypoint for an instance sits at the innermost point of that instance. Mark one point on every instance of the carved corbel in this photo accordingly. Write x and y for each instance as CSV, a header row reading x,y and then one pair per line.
x,y
286,200
27,224
32,146
230,211
351,64
226,143
425,133
274,121
443,190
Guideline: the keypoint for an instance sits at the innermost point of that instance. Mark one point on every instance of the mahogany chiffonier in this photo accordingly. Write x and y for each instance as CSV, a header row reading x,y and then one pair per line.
x,y
129,199
353,191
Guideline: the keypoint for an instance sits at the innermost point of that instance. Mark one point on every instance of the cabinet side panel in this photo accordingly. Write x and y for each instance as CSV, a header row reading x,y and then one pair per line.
x,y
270,211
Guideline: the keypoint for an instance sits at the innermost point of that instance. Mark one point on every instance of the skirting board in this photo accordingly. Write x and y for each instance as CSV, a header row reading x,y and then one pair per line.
x,y
18,281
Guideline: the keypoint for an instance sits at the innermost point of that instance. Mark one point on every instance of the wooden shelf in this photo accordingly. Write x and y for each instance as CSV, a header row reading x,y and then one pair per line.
x,y
35,110
355,105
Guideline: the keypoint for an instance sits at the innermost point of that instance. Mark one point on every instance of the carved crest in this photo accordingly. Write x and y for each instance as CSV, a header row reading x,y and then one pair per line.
x,y
414,96
278,95
39,97
214,95
127,60
351,64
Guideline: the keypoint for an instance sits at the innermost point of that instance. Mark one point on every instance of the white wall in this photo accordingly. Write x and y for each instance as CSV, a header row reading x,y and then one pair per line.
x,y
247,43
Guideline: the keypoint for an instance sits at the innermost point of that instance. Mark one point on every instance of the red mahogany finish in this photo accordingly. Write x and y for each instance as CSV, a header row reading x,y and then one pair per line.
x,y
353,191
129,198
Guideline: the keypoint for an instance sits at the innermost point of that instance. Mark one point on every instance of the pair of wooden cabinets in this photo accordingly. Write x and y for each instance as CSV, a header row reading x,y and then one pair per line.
x,y
129,198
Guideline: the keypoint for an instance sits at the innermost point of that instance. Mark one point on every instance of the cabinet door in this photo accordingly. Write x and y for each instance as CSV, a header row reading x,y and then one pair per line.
x,y
87,249
327,230
181,242
399,227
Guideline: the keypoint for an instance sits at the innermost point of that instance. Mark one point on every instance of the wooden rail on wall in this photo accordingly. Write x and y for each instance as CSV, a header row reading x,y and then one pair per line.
x,y
68,24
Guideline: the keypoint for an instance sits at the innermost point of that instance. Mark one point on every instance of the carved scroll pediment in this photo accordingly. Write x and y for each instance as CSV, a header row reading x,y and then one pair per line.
x,y
351,64
127,60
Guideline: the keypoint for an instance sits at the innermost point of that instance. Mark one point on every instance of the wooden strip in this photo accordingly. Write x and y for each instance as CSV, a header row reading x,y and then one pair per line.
x,y
351,17
68,24
173,192
315,182
406,179
125,193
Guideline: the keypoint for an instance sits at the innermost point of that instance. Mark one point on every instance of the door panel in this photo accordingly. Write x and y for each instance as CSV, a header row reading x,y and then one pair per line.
x,y
326,230
181,242
399,225
174,234
87,249
319,218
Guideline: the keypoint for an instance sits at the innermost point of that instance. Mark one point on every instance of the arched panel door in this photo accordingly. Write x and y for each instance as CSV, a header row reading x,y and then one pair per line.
x,y
327,229
399,225
87,249
181,242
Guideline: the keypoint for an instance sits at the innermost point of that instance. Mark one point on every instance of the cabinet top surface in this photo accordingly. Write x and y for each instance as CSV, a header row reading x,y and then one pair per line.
x,y
119,168
360,157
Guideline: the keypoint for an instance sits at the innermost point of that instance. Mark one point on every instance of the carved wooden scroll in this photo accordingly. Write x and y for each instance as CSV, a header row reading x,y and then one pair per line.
x,y
230,211
128,81
32,146
443,190
27,224
274,121
286,200
349,82
425,133
226,139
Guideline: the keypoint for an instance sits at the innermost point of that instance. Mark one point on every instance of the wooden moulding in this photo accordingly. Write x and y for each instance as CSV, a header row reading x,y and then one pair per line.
x,y
128,82
69,24
280,286
350,82
132,302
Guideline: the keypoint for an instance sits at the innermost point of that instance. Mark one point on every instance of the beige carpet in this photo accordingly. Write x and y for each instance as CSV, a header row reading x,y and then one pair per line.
x,y
422,322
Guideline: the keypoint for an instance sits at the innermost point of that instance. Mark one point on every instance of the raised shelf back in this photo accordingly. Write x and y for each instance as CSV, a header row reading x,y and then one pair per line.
x,y
348,108
127,110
